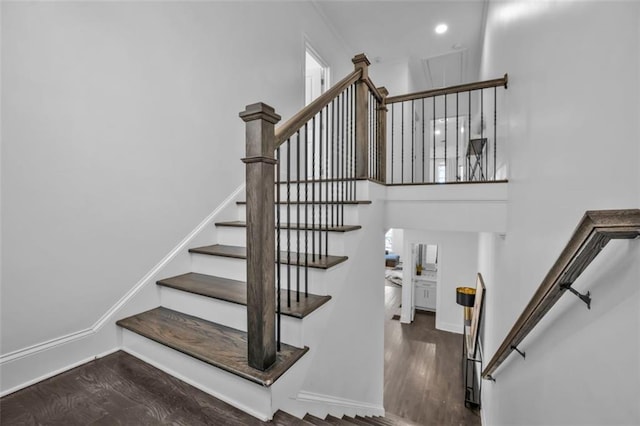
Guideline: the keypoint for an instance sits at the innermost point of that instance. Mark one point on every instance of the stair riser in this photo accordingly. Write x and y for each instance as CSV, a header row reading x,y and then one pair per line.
x,y
348,216
337,190
236,236
225,313
241,393
233,268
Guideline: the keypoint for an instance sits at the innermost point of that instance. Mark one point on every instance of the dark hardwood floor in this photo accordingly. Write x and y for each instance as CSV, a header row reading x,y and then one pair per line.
x,y
423,384
117,390
423,377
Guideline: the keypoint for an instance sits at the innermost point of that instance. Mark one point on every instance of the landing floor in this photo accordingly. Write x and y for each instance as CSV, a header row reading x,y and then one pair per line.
x,y
423,377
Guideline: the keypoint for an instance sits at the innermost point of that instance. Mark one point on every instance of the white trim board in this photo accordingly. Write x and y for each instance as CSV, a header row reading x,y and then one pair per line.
x,y
56,343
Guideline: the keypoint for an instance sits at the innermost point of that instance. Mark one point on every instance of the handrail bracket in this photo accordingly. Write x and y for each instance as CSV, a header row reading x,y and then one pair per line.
x,y
586,298
522,354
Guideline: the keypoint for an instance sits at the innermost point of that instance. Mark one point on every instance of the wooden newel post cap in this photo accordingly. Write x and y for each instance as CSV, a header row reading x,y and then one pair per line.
x,y
260,111
383,91
359,59
361,62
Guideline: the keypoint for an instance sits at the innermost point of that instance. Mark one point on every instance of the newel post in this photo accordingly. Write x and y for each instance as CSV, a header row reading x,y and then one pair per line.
x,y
360,61
382,133
260,163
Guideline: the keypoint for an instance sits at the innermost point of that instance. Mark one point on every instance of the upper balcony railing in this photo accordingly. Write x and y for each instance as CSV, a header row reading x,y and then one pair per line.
x,y
447,135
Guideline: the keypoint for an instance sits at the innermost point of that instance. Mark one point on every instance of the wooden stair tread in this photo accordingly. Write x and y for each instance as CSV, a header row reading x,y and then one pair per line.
x,y
334,420
215,344
315,420
346,202
241,253
355,421
236,292
295,226
380,421
280,418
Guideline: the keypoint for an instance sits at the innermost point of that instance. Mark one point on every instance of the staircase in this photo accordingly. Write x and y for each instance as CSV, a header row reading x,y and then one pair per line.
x,y
199,331
306,193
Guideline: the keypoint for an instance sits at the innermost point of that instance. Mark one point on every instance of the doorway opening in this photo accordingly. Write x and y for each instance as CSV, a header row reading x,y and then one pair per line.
x,y
316,74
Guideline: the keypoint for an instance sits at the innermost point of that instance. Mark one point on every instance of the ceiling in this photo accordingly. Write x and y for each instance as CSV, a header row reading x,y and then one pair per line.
x,y
392,32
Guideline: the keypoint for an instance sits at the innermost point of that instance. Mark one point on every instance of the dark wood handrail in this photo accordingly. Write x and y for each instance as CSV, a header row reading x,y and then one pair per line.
x,y
286,130
374,90
594,231
452,89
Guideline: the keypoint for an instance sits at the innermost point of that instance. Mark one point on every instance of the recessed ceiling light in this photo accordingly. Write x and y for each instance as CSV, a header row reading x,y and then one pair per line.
x,y
441,28
437,131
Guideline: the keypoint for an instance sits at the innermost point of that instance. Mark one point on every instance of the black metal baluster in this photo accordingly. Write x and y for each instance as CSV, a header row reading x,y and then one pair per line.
x,y
402,140
495,130
486,157
445,137
392,131
306,208
334,161
468,158
288,223
313,188
433,172
413,142
298,217
344,156
326,184
423,180
320,187
278,272
457,136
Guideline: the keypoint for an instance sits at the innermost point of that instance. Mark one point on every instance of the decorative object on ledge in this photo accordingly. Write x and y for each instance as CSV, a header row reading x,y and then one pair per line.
x,y
418,269
466,296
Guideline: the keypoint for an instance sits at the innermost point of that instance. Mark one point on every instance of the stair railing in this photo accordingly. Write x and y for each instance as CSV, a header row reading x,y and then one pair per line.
x,y
446,135
593,233
300,177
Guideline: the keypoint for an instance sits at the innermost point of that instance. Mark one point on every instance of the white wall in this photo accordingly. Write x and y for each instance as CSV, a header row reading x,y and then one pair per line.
x,y
120,134
457,266
573,146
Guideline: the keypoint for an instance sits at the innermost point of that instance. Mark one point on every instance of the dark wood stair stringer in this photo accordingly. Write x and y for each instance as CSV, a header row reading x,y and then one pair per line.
x,y
236,292
212,343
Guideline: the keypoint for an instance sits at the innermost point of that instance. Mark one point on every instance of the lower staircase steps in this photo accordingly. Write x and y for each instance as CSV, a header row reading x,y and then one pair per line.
x,y
212,343
235,291
238,252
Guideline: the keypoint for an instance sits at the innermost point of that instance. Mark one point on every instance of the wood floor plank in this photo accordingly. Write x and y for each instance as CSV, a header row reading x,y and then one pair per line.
x,y
423,376
215,344
118,389
236,292
241,253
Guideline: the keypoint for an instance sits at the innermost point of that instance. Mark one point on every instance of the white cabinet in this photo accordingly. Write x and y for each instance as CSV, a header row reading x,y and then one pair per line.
x,y
425,292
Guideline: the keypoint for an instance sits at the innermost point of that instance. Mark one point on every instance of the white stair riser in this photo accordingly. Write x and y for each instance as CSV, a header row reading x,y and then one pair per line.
x,y
336,190
236,269
236,236
226,313
342,214
241,393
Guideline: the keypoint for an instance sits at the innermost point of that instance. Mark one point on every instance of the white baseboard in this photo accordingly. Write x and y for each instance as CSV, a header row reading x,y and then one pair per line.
x,y
450,327
38,352
56,372
361,408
